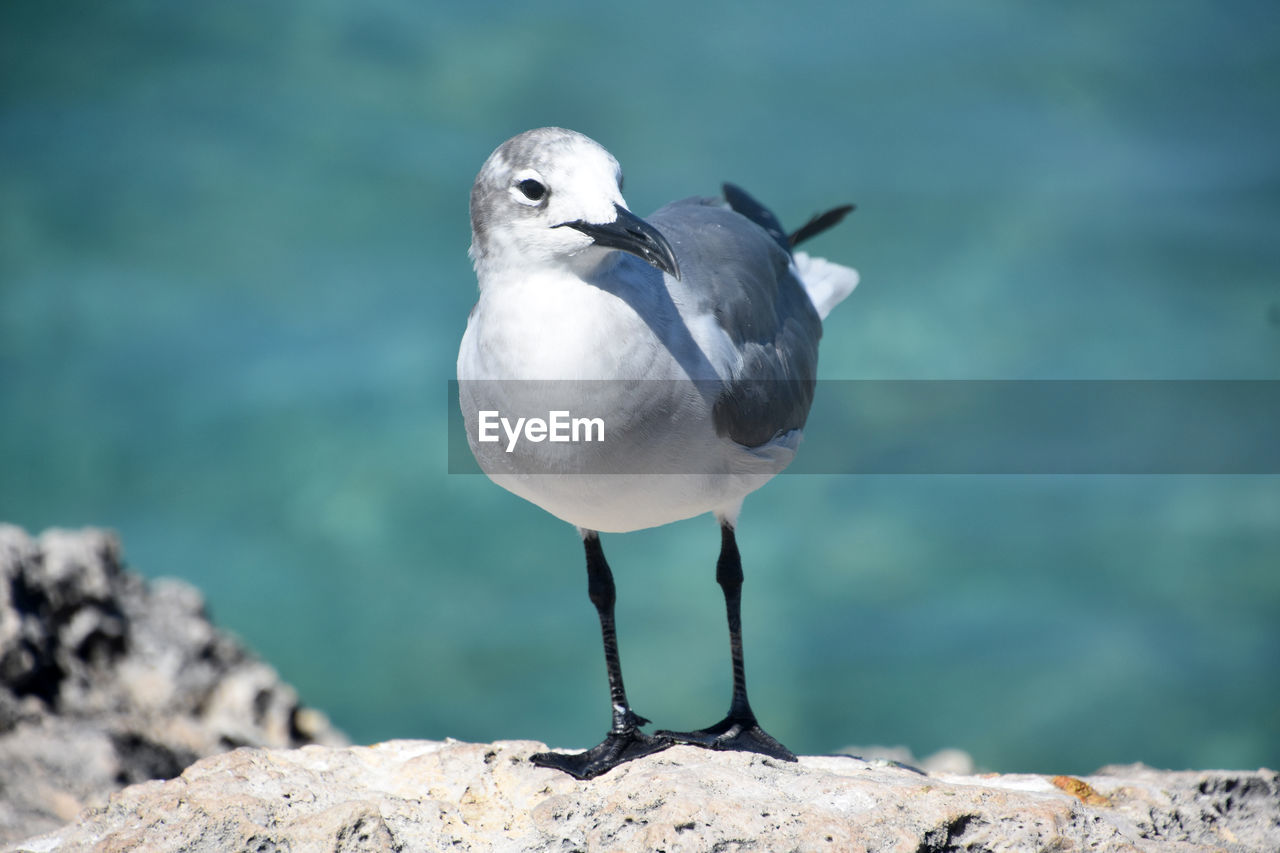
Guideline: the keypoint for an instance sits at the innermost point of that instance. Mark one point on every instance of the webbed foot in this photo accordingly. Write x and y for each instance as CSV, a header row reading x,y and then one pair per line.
x,y
736,733
617,748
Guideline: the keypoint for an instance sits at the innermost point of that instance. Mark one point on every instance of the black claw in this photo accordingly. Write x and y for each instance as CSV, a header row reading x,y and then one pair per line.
x,y
735,734
617,748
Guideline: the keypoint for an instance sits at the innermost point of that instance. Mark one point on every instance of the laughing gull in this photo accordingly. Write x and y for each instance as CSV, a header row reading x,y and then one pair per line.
x,y
693,335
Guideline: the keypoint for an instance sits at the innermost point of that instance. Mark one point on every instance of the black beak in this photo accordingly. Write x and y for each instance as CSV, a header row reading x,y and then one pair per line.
x,y
630,233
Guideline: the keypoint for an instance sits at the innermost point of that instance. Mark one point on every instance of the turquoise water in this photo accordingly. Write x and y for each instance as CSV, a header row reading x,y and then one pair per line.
x,y
233,278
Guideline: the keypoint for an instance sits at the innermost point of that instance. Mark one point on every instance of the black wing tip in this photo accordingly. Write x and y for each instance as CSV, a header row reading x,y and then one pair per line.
x,y
743,203
819,223
738,197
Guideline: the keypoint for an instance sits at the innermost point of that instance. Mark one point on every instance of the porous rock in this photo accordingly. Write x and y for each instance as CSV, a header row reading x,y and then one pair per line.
x,y
423,795
107,679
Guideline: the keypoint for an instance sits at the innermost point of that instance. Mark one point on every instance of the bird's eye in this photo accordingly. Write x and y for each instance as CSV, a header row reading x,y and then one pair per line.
x,y
531,189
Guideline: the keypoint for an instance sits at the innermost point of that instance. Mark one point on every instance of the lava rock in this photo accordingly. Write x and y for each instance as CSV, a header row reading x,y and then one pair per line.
x,y
423,795
107,680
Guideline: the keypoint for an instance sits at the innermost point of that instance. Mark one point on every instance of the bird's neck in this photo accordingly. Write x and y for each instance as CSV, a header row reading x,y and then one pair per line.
x,y
496,270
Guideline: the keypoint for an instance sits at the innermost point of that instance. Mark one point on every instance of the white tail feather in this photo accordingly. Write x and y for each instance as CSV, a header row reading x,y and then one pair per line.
x,y
826,283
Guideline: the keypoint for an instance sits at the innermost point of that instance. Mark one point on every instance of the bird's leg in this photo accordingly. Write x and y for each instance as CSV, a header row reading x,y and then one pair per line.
x,y
625,741
739,730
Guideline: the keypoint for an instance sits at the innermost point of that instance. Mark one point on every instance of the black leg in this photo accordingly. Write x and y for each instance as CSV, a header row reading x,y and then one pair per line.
x,y
739,730
625,741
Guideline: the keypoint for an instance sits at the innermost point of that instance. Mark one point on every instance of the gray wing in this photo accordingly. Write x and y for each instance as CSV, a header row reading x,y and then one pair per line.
x,y
738,272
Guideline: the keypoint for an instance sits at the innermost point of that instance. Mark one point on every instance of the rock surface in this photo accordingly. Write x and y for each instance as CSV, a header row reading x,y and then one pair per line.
x,y
107,680
422,795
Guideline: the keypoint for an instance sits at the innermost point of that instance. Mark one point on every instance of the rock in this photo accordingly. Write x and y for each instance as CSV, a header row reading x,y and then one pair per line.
x,y
108,680
953,761
420,795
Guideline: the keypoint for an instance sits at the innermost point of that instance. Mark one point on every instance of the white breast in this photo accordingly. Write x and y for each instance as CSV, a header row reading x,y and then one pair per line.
x,y
553,342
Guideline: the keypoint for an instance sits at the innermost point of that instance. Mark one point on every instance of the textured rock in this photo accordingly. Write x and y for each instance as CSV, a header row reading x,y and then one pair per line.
x,y
107,680
418,795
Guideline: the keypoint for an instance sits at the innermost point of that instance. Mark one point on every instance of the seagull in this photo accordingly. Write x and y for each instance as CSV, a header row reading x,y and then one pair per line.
x,y
692,335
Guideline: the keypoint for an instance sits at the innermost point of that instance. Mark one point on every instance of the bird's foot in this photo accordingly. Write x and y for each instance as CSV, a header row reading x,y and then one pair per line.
x,y
736,733
618,747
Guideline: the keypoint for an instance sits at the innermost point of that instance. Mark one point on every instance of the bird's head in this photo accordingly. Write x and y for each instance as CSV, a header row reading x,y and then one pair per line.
x,y
552,196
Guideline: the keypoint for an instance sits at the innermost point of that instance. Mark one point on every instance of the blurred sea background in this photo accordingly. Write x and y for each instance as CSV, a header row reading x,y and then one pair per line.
x,y
233,278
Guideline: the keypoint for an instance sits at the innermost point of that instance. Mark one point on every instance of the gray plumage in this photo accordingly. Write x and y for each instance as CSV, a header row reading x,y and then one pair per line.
x,y
739,274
